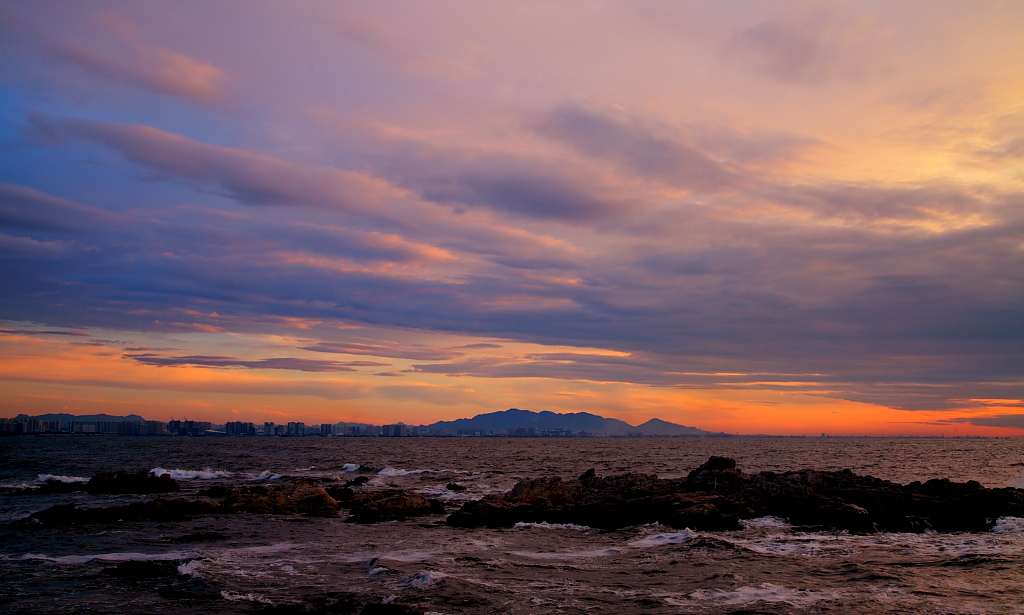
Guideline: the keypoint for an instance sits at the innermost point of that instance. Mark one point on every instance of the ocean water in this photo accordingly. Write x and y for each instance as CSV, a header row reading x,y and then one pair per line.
x,y
292,564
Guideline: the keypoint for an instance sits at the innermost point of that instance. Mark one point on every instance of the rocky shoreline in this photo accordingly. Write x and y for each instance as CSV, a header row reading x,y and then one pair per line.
x,y
714,497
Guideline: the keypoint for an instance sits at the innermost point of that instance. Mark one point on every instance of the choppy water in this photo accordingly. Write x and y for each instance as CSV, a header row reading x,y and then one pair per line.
x,y
269,563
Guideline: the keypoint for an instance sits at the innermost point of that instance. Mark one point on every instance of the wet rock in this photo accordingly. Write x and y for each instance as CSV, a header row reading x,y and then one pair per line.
x,y
141,482
154,510
302,497
454,487
143,570
717,474
357,481
342,495
374,506
216,491
603,502
717,494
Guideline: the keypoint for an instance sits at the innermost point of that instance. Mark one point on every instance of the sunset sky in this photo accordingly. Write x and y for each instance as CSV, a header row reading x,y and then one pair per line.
x,y
786,218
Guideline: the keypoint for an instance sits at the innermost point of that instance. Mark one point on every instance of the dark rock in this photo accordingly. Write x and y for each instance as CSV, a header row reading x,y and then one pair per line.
x,y
717,474
357,481
374,506
141,482
342,495
143,570
302,497
56,486
154,510
454,487
50,486
216,491
717,494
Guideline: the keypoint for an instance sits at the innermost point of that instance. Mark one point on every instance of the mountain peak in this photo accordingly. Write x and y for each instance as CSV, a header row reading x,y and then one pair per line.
x,y
515,418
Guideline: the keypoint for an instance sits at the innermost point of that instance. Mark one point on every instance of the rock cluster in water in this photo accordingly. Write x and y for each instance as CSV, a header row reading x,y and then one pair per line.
x,y
717,495
302,497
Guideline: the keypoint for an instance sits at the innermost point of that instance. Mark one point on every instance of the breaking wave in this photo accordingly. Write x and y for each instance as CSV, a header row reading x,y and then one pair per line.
x,y
1009,525
107,557
389,471
664,539
204,474
556,526
42,478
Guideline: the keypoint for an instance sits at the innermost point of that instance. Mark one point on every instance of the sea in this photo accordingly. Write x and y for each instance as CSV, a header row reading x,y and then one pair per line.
x,y
292,564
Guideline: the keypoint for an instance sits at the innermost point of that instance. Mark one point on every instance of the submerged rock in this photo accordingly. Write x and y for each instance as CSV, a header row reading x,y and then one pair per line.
x,y
717,494
303,497
121,483
141,482
153,510
374,506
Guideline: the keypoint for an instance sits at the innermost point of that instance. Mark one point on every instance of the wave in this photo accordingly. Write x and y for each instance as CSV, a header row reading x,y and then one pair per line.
x,y
267,475
351,467
765,522
190,568
304,469
557,526
424,579
250,597
42,478
766,592
1009,525
179,474
107,557
389,471
664,539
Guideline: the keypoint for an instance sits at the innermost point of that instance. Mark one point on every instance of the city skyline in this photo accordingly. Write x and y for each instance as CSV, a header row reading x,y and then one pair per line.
x,y
796,218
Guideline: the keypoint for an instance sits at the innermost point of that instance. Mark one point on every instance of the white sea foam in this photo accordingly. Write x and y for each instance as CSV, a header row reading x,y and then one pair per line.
x,y
378,570
765,522
389,471
42,478
658,540
250,597
262,549
425,578
556,526
191,568
267,475
17,485
204,474
795,544
304,469
766,592
106,557
1009,525
350,467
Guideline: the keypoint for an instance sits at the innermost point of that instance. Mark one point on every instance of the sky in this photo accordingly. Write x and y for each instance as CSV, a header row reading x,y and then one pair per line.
x,y
783,218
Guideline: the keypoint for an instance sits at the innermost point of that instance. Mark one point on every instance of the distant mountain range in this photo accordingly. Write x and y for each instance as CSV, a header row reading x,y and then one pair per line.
x,y
515,418
495,422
